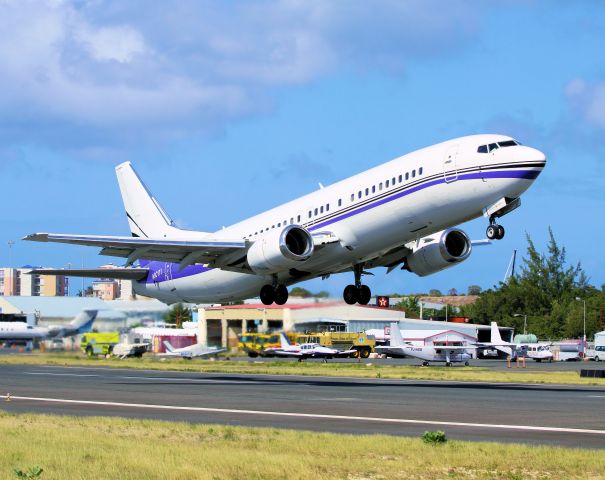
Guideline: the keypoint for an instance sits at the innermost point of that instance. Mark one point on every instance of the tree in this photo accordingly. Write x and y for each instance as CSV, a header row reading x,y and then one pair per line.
x,y
300,292
433,292
452,292
474,290
177,315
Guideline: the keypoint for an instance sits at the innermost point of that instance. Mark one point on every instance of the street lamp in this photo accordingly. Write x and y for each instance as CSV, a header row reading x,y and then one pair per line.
x,y
583,301
524,321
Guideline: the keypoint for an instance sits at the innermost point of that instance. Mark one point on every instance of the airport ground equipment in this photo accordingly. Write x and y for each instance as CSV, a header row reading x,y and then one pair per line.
x,y
360,342
101,343
254,343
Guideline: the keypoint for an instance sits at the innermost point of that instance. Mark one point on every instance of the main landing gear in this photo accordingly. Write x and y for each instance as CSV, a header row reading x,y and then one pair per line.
x,y
357,293
494,231
274,294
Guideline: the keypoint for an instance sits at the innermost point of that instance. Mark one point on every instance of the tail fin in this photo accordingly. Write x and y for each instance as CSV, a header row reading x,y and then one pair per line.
x,y
82,323
145,215
396,338
168,346
283,340
495,337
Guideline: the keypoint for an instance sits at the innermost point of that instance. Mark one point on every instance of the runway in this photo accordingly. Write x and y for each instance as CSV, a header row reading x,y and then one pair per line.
x,y
556,415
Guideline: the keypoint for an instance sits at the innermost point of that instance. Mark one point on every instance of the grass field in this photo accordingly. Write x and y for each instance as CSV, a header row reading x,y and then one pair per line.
x,y
374,370
108,448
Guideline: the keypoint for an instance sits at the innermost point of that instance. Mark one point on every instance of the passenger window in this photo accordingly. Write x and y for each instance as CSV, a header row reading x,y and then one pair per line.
x,y
407,175
367,191
310,213
328,207
298,218
321,209
340,202
400,178
413,173
279,224
393,181
380,186
352,197
291,220
373,188
493,146
316,212
386,184
482,149
359,194
420,171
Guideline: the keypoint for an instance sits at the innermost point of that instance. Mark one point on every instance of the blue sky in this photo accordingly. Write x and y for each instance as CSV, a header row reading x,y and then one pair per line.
x,y
229,108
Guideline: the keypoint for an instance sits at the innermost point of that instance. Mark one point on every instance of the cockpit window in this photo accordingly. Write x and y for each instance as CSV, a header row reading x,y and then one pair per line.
x,y
482,149
492,146
507,143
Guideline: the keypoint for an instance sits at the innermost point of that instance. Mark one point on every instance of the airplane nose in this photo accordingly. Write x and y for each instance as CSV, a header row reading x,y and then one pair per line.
x,y
529,154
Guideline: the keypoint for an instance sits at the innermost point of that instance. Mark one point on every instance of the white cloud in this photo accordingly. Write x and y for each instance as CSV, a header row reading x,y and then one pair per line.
x,y
180,66
588,100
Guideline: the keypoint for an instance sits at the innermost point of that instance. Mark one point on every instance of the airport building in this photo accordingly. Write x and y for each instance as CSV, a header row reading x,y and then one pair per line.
x,y
221,325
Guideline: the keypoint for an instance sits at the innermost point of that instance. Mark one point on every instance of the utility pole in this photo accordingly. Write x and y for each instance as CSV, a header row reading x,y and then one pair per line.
x,y
584,328
524,321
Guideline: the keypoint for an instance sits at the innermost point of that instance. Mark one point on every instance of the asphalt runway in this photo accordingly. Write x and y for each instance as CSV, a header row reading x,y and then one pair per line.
x,y
556,415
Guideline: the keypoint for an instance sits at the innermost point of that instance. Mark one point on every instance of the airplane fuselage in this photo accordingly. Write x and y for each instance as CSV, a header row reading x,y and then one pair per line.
x,y
371,214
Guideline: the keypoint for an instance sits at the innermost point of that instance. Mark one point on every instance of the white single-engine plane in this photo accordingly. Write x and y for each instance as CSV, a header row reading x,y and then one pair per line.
x,y
401,214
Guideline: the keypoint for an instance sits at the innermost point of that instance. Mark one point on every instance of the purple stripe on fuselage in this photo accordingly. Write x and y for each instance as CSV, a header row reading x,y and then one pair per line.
x,y
163,271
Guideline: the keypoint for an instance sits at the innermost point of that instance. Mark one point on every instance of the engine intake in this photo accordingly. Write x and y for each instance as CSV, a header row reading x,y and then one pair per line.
x,y
439,251
280,250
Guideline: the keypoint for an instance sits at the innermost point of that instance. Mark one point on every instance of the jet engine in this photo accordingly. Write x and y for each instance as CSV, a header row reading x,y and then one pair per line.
x,y
280,250
439,251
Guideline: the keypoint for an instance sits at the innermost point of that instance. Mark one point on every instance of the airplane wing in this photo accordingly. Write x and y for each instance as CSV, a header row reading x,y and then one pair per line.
x,y
117,273
213,252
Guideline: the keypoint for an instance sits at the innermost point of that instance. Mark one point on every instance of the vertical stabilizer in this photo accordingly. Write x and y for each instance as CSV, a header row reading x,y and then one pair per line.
x,y
495,337
146,218
396,338
169,347
82,323
283,340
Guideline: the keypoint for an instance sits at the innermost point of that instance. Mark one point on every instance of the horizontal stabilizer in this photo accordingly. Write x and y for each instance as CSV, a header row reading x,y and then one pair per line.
x,y
117,273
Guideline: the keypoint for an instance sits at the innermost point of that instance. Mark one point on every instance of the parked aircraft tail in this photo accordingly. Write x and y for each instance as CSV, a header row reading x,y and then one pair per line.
x,y
169,347
283,340
146,217
396,338
82,323
495,336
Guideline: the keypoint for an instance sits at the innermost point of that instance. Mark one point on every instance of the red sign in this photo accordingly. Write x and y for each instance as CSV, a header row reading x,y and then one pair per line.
x,y
382,302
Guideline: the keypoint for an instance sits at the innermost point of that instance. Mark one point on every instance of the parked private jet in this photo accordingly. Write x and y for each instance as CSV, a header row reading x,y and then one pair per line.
x,y
403,213
21,331
192,351
454,353
306,350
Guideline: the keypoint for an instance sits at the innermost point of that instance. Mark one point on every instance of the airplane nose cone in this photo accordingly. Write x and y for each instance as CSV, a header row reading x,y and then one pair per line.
x,y
529,154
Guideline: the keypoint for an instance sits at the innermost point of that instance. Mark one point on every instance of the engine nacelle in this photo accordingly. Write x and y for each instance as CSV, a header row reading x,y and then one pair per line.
x,y
439,251
280,250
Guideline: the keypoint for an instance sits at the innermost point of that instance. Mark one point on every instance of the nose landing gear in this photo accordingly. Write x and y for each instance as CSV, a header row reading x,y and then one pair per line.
x,y
357,293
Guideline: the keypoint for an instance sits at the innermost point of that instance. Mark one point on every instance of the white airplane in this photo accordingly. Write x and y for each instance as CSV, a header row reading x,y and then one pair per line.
x,y
21,331
124,350
401,213
306,350
449,354
536,351
192,351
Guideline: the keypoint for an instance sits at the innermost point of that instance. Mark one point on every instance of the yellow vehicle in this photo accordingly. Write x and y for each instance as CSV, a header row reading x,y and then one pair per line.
x,y
99,343
360,342
255,343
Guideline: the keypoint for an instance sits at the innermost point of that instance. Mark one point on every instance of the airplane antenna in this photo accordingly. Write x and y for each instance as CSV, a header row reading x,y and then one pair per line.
x,y
321,187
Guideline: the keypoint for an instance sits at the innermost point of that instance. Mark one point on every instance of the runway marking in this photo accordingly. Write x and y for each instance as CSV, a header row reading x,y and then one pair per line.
x,y
138,377
309,415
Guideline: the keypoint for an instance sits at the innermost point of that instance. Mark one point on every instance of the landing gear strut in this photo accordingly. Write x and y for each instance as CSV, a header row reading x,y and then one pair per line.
x,y
494,231
357,293
274,294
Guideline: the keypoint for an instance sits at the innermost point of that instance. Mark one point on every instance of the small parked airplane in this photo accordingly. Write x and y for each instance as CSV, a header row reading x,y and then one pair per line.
x,y
401,214
306,350
537,351
21,331
192,351
125,350
427,353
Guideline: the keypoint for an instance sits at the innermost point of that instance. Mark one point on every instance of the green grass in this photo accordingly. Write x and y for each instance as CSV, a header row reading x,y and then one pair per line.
x,y
110,448
332,369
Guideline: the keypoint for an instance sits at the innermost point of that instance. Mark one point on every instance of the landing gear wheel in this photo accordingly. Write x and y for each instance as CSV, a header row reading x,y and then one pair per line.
x,y
364,294
466,364
425,364
448,364
267,294
350,294
500,232
281,295
491,232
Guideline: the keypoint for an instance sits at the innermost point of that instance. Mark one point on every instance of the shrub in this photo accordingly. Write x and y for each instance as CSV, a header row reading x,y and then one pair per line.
x,y
434,438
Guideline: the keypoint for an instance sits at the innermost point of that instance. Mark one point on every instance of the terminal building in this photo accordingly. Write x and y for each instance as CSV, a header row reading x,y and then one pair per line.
x,y
221,325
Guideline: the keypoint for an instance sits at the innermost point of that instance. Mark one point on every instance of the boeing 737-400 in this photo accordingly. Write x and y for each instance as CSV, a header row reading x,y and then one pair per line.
x,y
403,213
